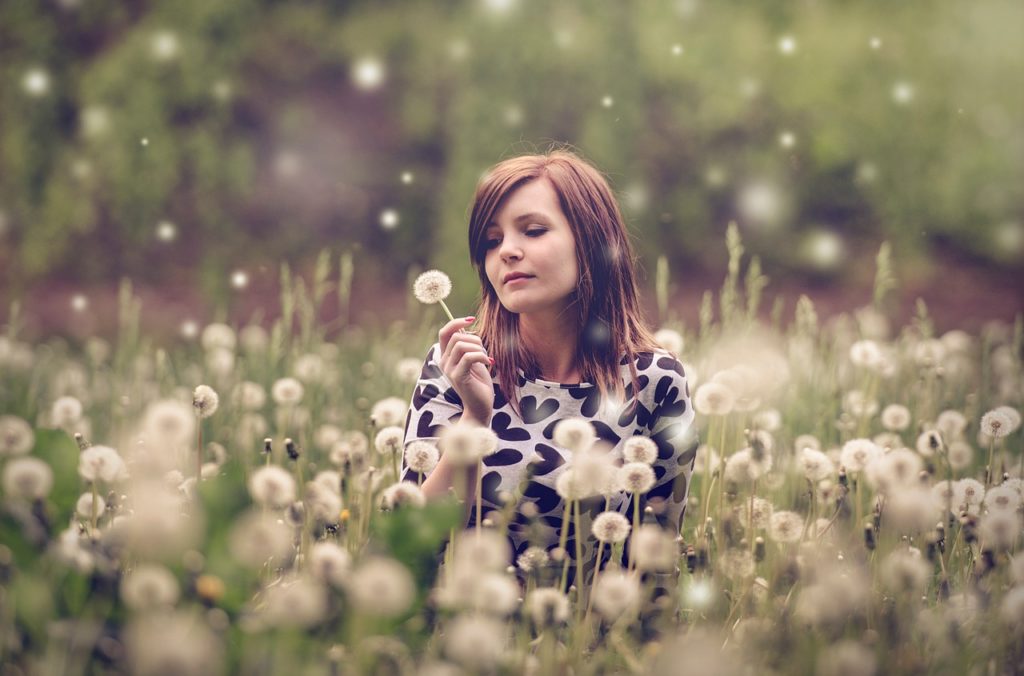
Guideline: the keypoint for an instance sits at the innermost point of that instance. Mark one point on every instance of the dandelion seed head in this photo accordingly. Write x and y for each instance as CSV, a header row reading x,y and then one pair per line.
x,y
858,453
785,526
27,478
640,448
475,641
272,486
1000,530
148,587
36,82
815,465
87,503
610,527
671,340
547,607
714,398
615,593
381,587
401,494
486,551
653,549
736,564
330,563
388,441
534,558
66,411
960,455
153,645
895,417
16,436
421,456
431,287
205,401
287,391
165,45
101,463
575,434
218,335
905,572
294,602
636,477
996,424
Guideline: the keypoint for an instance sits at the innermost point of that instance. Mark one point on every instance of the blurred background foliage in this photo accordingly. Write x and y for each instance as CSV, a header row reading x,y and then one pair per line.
x,y
180,143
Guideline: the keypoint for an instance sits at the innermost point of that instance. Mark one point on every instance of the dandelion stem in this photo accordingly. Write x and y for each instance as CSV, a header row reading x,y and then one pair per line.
x,y
563,538
446,310
579,547
636,527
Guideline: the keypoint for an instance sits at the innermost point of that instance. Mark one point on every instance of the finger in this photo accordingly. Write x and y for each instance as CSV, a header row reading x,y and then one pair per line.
x,y
459,351
468,361
460,338
446,332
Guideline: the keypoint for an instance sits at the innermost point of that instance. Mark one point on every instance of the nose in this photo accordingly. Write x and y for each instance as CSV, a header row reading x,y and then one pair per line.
x,y
509,249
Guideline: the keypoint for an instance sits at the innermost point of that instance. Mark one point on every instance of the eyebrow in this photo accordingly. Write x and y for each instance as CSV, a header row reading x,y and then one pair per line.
x,y
533,215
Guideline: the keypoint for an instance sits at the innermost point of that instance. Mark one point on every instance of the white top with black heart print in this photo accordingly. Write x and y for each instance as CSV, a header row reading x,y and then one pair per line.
x,y
664,414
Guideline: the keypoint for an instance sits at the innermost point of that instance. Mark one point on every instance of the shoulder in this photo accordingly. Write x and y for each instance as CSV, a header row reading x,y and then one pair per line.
x,y
660,376
659,362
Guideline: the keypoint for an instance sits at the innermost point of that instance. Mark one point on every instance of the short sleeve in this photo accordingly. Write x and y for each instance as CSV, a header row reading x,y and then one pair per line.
x,y
435,405
671,428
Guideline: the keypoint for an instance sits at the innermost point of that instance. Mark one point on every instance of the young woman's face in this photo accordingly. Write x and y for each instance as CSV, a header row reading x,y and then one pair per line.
x,y
531,235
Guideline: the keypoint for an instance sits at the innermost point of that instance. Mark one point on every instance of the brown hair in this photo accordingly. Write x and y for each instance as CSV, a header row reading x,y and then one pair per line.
x,y
606,298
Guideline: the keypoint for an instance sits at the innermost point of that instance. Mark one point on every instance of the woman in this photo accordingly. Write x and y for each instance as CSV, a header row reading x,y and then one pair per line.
x,y
560,336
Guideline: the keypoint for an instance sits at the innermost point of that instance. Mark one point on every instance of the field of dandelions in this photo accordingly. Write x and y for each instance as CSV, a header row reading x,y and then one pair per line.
x,y
855,506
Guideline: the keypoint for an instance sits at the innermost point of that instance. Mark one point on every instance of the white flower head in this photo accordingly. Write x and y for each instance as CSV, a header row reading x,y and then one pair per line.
x,y
653,549
636,477
66,411
714,398
432,286
27,478
575,434
272,486
1013,415
1000,530
381,587
615,592
858,453
168,422
205,401
486,551
330,563
388,441
421,456
287,391
16,436
785,526
257,540
610,527
895,417
149,586
295,602
547,607
218,335
951,424
401,494
570,485
409,369
996,424
960,454
101,463
671,340
88,504
639,448
866,354
249,395
815,464
928,442
904,571
389,411
460,444
1002,498
476,642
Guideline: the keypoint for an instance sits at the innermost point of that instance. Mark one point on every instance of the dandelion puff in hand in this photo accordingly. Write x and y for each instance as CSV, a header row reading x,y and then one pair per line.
x,y
610,527
431,287
205,401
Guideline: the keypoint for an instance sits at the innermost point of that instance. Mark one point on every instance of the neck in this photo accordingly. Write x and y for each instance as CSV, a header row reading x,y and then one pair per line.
x,y
553,339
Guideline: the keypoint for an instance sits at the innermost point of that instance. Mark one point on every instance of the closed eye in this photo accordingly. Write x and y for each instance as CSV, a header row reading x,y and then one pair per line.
x,y
537,232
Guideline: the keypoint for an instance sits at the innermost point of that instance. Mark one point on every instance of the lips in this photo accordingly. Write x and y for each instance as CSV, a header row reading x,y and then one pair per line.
x,y
515,275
